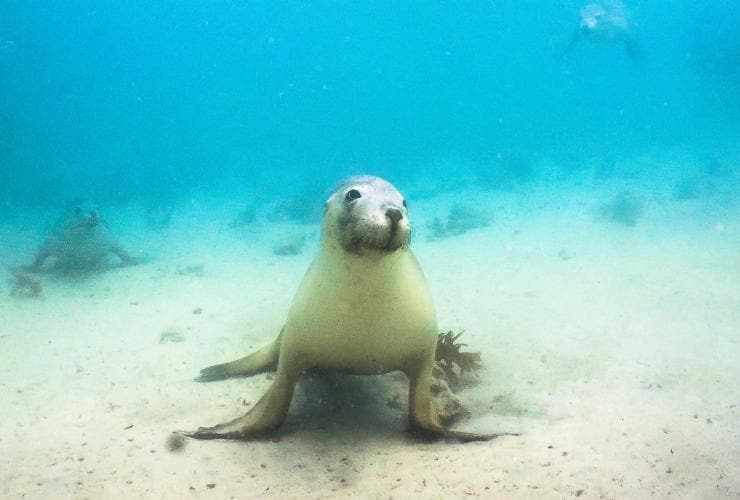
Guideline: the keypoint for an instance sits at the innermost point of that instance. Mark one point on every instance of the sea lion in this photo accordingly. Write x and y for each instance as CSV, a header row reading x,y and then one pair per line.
x,y
80,243
362,308
604,23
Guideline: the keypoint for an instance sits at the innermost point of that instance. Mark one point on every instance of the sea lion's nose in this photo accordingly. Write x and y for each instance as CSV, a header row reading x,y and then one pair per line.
x,y
394,215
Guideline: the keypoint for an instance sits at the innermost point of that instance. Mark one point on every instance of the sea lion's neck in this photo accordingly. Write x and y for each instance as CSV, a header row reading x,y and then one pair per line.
x,y
364,260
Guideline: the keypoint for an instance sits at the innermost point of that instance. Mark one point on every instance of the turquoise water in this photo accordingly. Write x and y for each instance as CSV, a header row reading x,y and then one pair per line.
x,y
147,102
575,208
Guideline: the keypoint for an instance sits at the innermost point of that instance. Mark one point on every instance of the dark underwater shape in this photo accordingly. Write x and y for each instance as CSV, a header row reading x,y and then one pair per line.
x,y
460,220
624,209
506,171
23,285
81,243
605,22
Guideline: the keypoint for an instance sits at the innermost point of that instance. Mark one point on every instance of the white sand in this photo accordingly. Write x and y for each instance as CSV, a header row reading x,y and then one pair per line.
x,y
618,365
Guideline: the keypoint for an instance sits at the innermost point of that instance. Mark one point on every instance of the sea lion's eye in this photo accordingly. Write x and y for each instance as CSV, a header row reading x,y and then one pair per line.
x,y
352,195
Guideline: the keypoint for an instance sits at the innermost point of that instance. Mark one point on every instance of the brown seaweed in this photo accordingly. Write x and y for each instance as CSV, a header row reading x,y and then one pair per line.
x,y
449,356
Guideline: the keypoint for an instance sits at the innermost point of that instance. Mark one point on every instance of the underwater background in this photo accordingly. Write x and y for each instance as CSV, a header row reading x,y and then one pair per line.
x,y
152,100
575,202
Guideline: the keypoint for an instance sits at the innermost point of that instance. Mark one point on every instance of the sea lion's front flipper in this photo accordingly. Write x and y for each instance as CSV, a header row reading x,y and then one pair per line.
x,y
633,48
423,418
574,40
265,358
121,253
239,428
38,262
266,415
439,432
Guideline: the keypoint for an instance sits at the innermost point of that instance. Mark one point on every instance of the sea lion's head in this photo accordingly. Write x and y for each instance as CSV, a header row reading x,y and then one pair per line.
x,y
367,214
83,213
87,214
591,16
611,18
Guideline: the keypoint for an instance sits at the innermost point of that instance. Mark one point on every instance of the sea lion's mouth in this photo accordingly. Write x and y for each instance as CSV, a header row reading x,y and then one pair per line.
x,y
398,238
383,240
87,223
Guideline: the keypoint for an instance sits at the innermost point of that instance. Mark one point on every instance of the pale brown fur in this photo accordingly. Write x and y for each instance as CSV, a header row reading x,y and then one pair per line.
x,y
363,308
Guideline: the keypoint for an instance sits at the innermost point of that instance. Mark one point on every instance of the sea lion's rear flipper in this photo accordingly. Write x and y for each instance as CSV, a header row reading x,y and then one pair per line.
x,y
263,359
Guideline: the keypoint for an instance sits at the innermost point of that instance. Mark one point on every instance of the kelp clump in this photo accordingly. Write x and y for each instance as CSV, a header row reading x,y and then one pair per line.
x,y
453,362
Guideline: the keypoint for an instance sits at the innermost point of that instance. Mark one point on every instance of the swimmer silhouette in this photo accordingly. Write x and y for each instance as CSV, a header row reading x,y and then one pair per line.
x,y
604,23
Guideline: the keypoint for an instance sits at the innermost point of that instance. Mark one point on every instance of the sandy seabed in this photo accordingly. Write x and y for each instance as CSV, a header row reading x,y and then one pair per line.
x,y
612,349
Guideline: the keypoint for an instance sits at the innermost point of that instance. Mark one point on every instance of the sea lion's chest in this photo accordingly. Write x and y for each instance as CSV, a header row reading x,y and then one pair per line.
x,y
363,317
81,245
